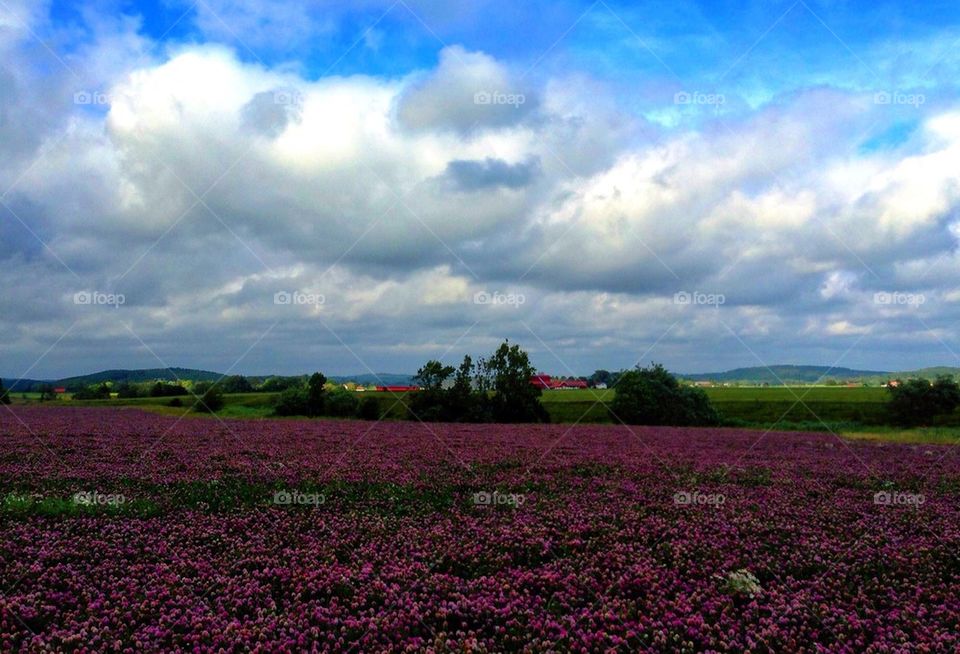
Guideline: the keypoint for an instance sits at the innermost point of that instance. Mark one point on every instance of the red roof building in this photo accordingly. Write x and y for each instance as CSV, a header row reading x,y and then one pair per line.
x,y
547,382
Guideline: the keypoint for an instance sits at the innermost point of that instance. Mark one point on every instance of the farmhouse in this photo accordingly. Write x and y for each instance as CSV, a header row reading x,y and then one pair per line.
x,y
547,382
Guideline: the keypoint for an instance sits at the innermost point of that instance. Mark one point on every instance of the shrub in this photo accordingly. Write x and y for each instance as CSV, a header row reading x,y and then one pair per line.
x,y
292,402
164,389
341,404
236,384
917,401
652,396
316,394
211,401
368,409
100,392
4,394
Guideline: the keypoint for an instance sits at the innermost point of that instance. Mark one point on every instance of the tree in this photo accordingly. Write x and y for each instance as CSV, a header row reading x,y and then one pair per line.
x,y
4,394
99,392
165,389
433,375
368,409
917,401
236,384
430,402
506,374
211,401
316,394
127,390
652,396
47,392
341,404
292,402
280,384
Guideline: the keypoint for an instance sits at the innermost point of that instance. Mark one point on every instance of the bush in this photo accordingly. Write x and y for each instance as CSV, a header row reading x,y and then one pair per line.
x,y
127,390
164,389
175,402
342,404
652,396
292,402
101,392
4,394
236,384
211,401
316,394
917,401
368,409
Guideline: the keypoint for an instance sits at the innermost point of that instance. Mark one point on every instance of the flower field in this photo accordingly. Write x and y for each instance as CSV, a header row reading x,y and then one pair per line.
x,y
128,531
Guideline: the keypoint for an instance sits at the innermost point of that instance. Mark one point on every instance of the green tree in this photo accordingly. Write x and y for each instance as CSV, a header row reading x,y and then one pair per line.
x,y
4,394
96,392
506,375
292,402
433,375
316,394
47,392
341,404
917,401
430,402
236,384
369,409
652,396
128,390
211,401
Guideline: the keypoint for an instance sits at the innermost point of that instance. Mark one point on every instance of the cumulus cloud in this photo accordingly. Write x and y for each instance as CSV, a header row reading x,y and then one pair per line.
x,y
207,183
467,91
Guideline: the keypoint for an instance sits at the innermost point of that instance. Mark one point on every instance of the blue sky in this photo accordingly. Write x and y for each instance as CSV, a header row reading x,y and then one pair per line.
x,y
709,185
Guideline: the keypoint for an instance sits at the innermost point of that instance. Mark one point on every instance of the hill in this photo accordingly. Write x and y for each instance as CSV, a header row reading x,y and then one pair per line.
x,y
173,374
789,374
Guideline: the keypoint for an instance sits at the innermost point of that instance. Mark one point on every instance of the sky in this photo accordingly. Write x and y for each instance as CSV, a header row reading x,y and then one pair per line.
x,y
271,186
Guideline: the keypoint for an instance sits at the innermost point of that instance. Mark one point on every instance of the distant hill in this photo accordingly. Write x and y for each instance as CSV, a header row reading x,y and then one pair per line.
x,y
381,378
116,376
788,374
173,374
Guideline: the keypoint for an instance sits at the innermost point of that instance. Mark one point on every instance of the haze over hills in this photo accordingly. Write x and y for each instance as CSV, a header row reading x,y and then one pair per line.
x,y
772,375
175,374
799,374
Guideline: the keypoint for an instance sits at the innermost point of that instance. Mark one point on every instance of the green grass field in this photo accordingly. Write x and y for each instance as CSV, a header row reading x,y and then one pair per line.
x,y
857,412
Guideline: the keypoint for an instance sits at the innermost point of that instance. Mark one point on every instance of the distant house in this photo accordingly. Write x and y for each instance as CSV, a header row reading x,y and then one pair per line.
x,y
397,389
542,381
59,389
602,386
892,382
547,382
704,384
